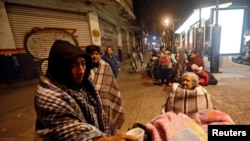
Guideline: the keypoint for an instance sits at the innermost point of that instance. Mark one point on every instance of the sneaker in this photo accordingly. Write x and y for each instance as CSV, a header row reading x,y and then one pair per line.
x,y
168,85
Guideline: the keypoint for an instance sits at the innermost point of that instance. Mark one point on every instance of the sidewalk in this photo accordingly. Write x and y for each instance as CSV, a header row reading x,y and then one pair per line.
x,y
231,94
142,100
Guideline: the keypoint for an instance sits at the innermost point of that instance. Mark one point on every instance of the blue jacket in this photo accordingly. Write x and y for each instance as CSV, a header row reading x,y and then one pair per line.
x,y
113,62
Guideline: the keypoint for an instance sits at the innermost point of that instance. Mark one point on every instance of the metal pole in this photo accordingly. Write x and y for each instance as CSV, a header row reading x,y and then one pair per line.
x,y
200,15
215,40
217,12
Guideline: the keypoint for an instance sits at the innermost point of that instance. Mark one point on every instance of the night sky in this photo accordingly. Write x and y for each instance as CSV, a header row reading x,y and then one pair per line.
x,y
154,12
161,9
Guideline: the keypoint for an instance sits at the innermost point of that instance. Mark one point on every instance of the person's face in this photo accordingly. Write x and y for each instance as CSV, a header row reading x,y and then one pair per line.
x,y
192,55
95,57
78,69
109,51
187,82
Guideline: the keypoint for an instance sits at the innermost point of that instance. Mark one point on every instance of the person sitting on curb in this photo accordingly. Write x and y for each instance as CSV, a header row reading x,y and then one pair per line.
x,y
195,58
202,74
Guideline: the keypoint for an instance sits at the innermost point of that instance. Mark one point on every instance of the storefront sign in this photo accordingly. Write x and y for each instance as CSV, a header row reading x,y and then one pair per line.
x,y
95,33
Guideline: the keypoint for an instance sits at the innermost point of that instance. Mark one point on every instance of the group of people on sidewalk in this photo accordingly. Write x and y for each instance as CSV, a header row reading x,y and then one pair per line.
x,y
188,106
166,67
79,99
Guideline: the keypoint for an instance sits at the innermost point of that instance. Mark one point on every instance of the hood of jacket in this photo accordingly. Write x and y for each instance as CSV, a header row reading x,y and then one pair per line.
x,y
60,59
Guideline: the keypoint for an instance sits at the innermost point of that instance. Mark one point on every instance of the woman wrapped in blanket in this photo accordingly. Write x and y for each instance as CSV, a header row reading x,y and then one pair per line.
x,y
187,113
66,103
188,97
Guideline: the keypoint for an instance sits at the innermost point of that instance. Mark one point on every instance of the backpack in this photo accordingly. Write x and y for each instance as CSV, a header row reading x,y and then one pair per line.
x,y
164,61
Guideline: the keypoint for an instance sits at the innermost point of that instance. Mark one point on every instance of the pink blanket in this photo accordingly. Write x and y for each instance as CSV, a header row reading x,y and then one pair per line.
x,y
170,126
212,117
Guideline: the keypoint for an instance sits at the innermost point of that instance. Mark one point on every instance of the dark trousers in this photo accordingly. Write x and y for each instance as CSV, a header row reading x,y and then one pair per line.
x,y
165,74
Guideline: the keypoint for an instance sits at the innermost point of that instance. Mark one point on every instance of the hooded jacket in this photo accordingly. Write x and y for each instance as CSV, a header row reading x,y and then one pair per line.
x,y
60,58
66,111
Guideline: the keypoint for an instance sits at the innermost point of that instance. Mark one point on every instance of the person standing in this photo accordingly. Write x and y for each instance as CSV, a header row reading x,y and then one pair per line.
x,y
66,104
112,60
166,63
180,66
135,62
105,83
139,53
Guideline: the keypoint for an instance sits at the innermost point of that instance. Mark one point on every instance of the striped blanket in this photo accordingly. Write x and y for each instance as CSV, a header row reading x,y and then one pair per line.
x,y
106,84
187,101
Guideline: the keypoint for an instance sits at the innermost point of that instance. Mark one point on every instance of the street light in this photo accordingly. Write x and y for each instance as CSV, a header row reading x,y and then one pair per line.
x,y
170,33
166,22
167,35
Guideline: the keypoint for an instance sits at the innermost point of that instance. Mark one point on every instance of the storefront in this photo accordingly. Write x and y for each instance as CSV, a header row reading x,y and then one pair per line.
x,y
43,26
108,36
125,53
30,27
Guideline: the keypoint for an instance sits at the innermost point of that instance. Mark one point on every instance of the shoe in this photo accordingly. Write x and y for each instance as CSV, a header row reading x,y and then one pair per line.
x,y
157,83
168,85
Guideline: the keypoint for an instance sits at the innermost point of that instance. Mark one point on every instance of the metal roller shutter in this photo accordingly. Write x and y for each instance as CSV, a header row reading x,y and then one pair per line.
x,y
108,35
130,46
125,53
23,19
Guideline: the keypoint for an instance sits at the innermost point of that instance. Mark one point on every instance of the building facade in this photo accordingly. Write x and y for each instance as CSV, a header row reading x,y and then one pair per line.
x,y
29,27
